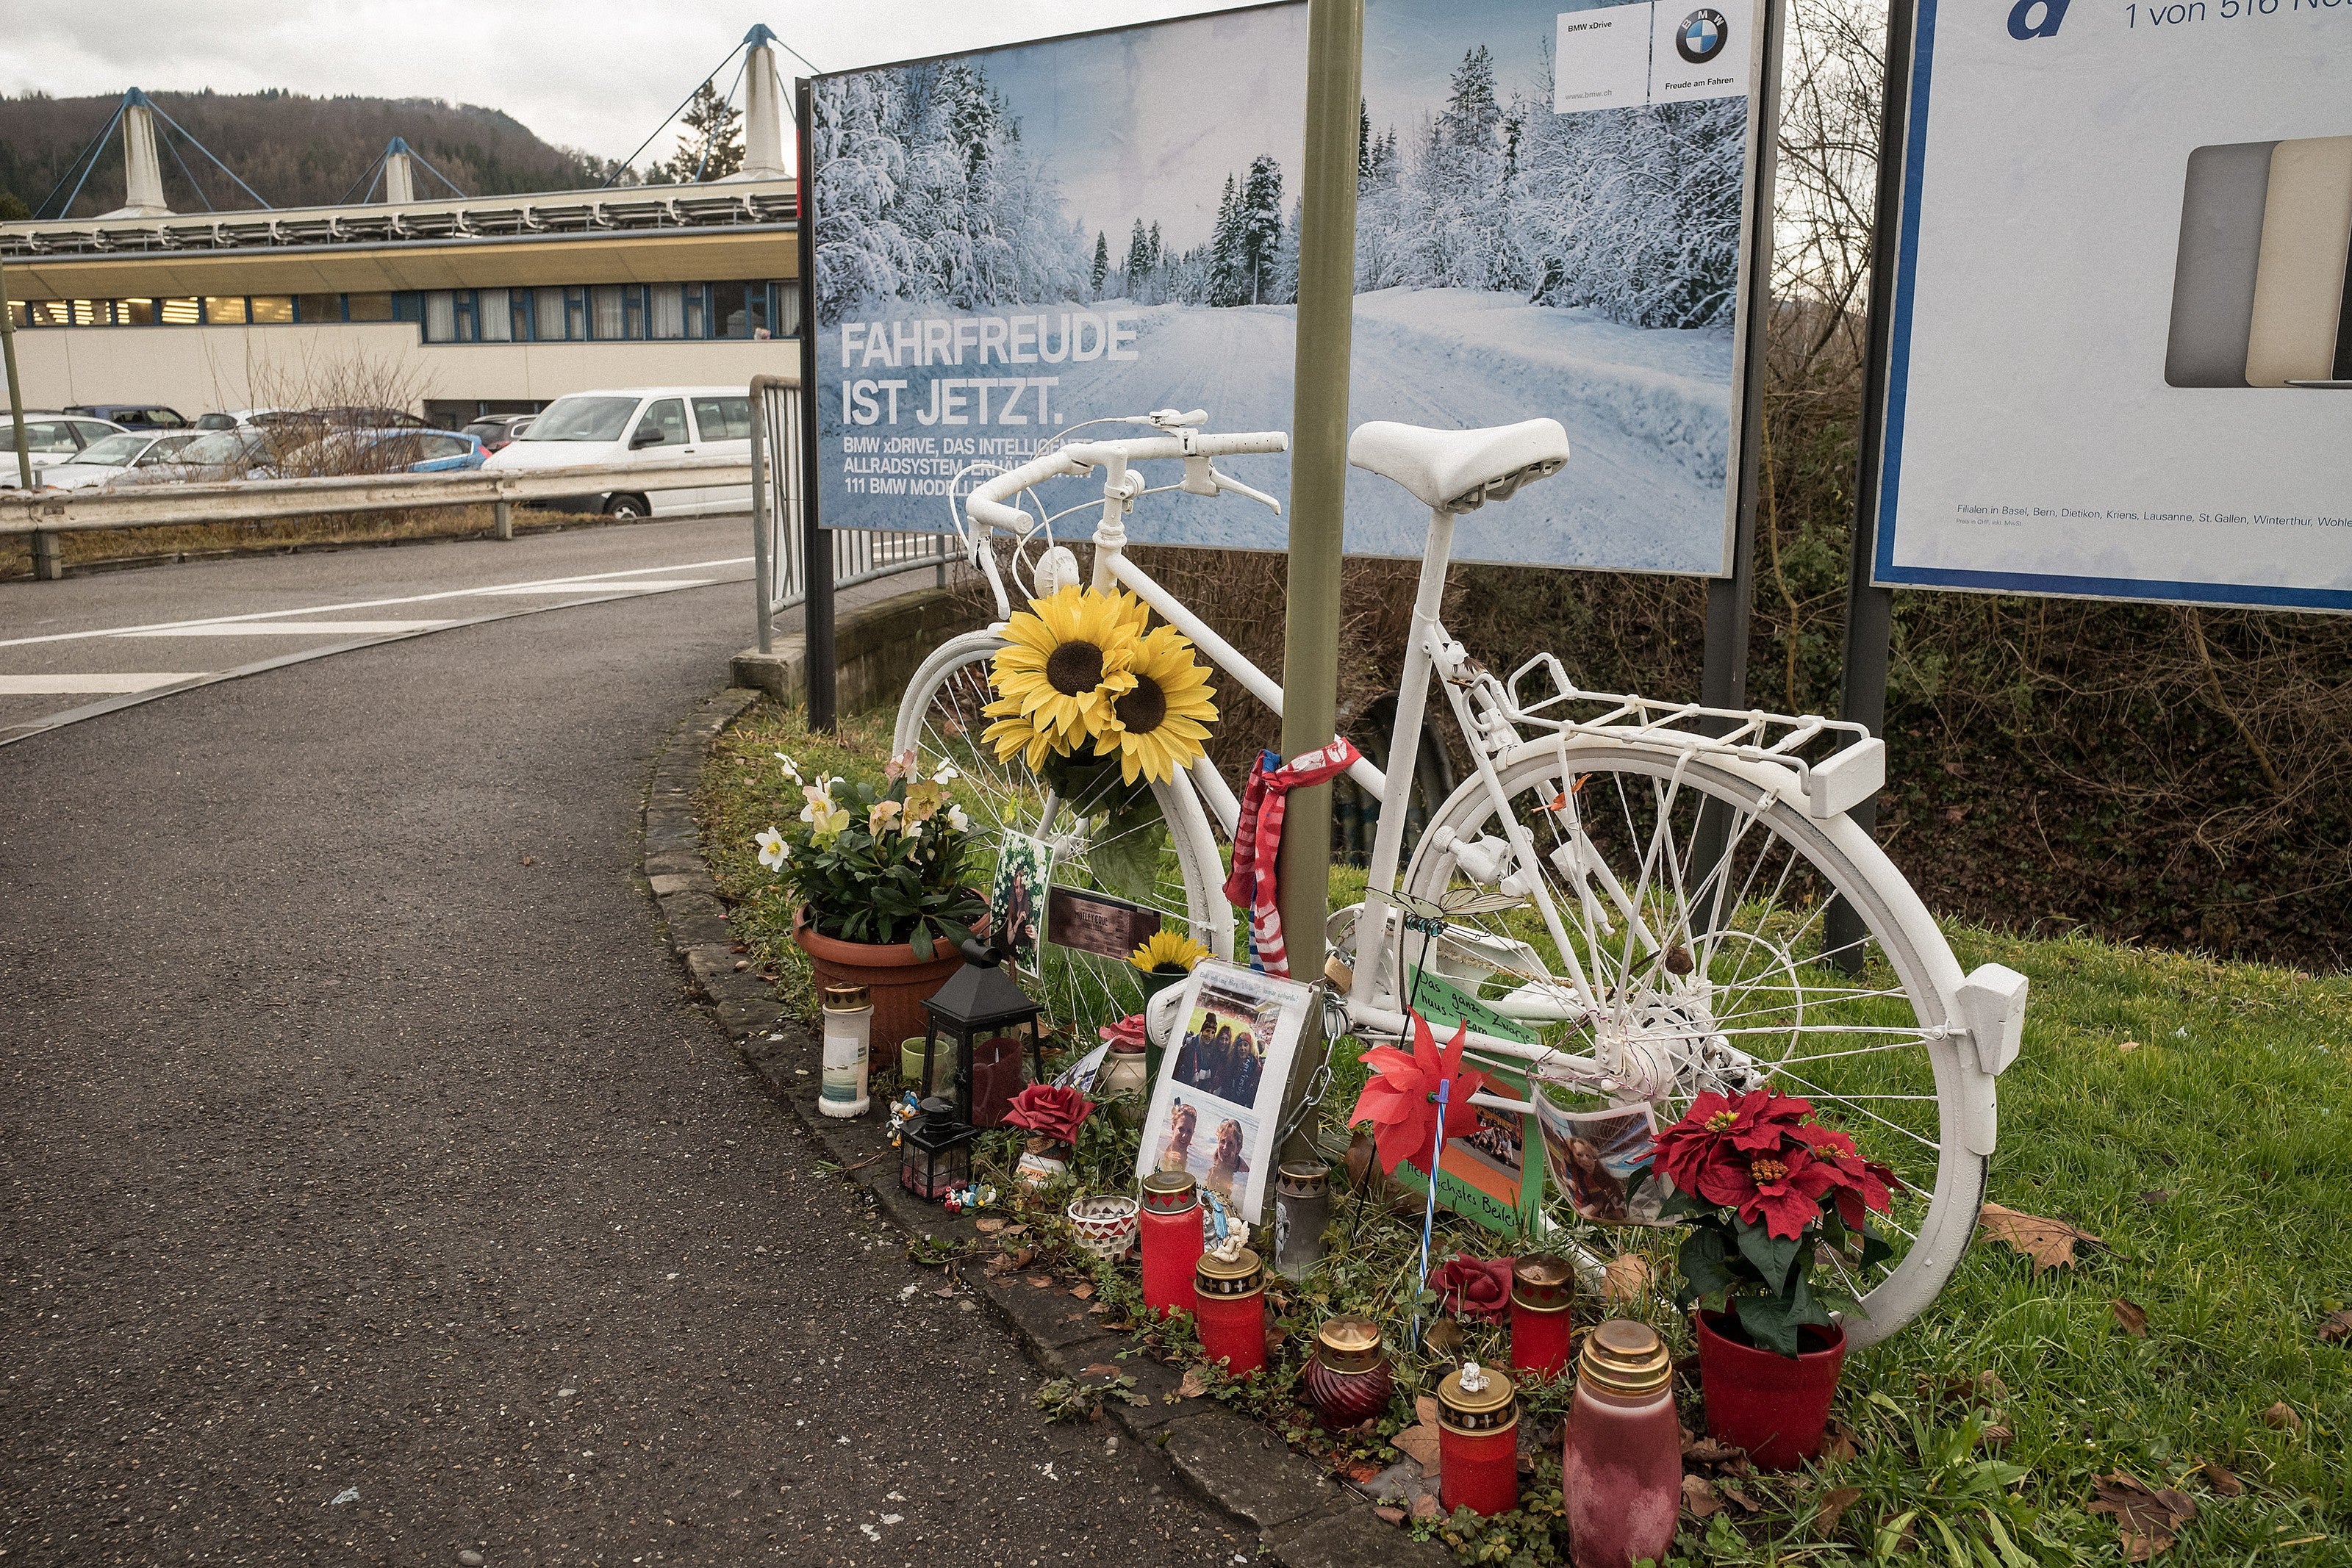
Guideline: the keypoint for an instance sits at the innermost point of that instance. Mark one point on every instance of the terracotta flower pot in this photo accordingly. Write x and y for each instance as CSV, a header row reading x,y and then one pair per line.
x,y
899,981
1774,1407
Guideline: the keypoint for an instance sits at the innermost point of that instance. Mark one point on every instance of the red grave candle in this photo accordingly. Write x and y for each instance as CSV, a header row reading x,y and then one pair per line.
x,y
1477,1441
1230,1310
1622,1475
1543,1288
1171,1228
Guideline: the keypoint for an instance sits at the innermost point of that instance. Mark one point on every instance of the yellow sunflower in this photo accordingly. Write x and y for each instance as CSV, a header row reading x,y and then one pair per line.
x,y
1167,952
1012,735
1065,659
1161,720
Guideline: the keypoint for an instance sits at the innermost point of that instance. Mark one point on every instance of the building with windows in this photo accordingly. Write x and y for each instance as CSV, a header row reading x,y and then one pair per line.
x,y
452,308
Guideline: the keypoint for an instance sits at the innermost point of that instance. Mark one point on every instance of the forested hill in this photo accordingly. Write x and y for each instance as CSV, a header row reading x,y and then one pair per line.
x,y
295,151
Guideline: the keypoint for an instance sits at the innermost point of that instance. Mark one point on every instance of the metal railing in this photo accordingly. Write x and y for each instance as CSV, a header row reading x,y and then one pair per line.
x,y
46,514
779,517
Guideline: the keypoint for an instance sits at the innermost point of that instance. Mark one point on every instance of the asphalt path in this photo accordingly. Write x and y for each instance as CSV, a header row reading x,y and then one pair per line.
x,y
373,1192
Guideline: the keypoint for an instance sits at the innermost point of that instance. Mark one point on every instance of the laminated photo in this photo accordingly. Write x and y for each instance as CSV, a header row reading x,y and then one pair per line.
x,y
1599,1159
1016,898
1218,1101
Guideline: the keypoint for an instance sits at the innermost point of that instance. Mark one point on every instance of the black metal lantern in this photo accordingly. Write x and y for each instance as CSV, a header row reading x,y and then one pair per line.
x,y
935,1151
980,1002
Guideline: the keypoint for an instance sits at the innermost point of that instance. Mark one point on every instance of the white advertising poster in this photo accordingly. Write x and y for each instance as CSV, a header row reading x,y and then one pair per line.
x,y
2122,354
1013,242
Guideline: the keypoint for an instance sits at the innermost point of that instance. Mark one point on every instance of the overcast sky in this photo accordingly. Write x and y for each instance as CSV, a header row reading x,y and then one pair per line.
x,y
593,74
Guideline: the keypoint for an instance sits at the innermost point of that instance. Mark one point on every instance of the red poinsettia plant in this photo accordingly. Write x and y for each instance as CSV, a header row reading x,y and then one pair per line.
x,y
1765,1187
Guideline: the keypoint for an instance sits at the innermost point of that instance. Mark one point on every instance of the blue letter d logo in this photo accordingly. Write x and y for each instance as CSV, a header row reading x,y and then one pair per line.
x,y
2052,13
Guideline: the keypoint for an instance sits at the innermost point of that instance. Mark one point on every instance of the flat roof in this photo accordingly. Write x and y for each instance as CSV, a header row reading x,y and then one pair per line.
x,y
632,233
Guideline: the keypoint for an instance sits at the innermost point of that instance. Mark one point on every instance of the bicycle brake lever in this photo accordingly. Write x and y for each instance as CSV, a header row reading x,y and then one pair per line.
x,y
1226,482
1170,419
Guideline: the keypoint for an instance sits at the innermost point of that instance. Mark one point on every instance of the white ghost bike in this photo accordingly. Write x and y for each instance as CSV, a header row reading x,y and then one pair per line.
x,y
1639,888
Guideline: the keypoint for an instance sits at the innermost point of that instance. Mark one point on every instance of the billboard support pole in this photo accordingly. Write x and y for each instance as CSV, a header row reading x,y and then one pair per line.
x,y
1731,601
817,551
1319,462
1870,609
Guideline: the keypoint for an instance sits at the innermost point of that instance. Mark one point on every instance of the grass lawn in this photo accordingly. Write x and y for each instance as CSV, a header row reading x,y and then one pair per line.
x,y
2213,1159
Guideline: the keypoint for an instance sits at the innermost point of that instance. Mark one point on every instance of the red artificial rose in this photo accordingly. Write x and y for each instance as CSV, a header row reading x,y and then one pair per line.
x,y
1127,1031
1477,1289
1050,1111
1400,1098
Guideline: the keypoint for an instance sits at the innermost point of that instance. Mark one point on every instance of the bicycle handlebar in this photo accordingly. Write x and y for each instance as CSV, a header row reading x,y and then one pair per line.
x,y
985,506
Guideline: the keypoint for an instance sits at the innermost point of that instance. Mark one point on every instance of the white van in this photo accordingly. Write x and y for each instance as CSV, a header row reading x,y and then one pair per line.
x,y
646,426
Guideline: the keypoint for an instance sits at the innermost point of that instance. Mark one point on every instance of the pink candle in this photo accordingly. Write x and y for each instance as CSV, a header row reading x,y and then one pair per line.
x,y
1622,1471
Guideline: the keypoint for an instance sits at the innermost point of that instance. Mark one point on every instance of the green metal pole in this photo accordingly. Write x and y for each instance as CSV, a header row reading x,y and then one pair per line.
x,y
16,395
1319,461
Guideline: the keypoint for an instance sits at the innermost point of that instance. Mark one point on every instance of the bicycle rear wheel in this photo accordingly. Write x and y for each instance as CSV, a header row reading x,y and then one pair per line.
x,y
941,718
1708,971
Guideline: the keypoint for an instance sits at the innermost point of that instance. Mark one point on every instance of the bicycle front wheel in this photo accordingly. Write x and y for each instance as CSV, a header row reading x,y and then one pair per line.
x,y
941,718
1693,901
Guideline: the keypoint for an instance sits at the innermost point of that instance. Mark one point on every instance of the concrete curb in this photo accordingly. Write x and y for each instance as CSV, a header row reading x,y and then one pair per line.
x,y
1302,1518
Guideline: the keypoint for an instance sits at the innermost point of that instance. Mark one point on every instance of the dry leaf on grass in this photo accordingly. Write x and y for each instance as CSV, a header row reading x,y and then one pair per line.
x,y
1418,1444
1839,1446
2282,1416
1707,1451
2049,1242
1424,1410
2223,1479
1739,1499
2147,1518
988,1227
1365,1471
1994,1438
1425,1507
2337,1327
1443,1335
1195,1384
1083,1292
1360,1159
1627,1277
2131,1315
1013,1231
2129,1045
1833,1507
1698,1496
2156,1195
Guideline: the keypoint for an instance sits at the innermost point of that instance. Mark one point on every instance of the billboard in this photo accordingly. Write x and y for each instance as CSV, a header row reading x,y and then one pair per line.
x,y
1011,243
2122,354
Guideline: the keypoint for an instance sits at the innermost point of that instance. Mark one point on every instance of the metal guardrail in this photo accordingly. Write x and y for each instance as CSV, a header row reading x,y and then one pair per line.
x,y
780,515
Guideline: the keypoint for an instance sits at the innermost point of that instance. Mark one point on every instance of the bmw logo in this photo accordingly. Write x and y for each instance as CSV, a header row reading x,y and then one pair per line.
x,y
1700,37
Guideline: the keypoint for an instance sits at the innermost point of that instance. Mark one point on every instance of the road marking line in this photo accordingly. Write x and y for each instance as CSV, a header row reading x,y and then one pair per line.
x,y
290,628
89,686
648,586
600,578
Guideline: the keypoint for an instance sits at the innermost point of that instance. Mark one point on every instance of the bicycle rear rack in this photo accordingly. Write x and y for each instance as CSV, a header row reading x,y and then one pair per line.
x,y
1836,764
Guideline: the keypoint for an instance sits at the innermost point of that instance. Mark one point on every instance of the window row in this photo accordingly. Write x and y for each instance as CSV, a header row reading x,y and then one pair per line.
x,y
575,314
612,312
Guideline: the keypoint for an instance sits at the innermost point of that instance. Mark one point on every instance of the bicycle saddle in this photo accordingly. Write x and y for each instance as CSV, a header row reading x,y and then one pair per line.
x,y
1460,470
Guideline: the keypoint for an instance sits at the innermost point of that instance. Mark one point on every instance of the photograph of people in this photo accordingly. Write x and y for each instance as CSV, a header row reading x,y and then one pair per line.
x,y
1598,1159
1176,1149
1597,1194
1226,1163
1223,1049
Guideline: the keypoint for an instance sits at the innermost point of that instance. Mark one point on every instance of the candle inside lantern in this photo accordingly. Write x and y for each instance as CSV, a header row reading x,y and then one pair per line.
x,y
1171,1239
848,1036
1477,1441
1623,1474
1543,1289
1229,1302
1302,1207
1348,1379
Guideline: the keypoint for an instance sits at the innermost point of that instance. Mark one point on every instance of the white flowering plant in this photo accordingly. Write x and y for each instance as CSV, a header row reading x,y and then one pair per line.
x,y
884,866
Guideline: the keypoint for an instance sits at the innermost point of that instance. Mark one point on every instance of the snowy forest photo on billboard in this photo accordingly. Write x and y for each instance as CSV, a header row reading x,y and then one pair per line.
x,y
1012,242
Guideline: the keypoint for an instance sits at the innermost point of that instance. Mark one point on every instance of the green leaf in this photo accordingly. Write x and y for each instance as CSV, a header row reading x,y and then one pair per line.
x,y
1766,1319
1771,1254
1702,1263
921,940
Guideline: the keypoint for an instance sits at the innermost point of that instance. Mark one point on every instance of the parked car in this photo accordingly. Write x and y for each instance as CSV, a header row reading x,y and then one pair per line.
x,y
387,452
134,415
368,418
245,418
207,458
104,460
51,438
638,426
495,429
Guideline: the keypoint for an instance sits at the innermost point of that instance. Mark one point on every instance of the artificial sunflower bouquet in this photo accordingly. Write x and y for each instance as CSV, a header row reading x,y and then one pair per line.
x,y
1102,705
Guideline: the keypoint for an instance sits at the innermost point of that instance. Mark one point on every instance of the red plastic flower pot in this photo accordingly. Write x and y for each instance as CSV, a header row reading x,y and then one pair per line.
x,y
1772,1406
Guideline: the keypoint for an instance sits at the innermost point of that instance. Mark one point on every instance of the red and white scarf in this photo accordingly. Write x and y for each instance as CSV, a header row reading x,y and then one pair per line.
x,y
1257,841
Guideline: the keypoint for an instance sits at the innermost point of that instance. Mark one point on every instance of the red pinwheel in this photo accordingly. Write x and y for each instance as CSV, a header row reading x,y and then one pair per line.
x,y
1399,1100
